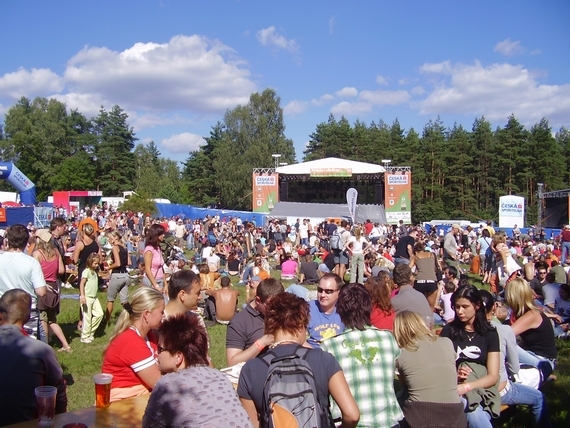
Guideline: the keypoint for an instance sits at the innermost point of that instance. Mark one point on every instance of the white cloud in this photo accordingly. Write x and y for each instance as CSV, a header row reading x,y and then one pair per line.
x,y
381,80
183,143
508,48
189,73
323,99
347,92
535,52
368,100
34,83
418,90
295,107
331,24
270,37
495,91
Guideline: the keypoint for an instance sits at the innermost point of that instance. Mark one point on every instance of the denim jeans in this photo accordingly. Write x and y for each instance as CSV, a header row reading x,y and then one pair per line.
x,y
530,358
565,251
522,394
401,260
478,418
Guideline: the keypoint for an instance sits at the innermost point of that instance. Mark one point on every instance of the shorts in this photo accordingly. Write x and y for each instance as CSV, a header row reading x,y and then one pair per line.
x,y
340,257
425,287
49,316
119,283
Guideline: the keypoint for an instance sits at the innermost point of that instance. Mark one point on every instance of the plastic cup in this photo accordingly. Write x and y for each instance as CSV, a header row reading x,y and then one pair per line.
x,y
45,399
102,390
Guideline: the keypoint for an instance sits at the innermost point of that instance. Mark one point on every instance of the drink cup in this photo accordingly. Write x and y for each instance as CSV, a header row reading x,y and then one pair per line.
x,y
102,389
45,398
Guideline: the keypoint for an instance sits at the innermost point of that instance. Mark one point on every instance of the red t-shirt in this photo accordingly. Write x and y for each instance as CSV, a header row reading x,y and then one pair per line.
x,y
127,355
382,321
368,228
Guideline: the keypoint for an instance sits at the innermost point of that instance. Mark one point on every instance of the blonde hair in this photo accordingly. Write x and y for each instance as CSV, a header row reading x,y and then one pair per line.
x,y
144,299
115,234
45,247
88,229
499,238
91,258
357,232
409,329
518,295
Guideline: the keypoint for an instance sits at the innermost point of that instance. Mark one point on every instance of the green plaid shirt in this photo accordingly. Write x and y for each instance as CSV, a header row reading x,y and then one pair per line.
x,y
368,360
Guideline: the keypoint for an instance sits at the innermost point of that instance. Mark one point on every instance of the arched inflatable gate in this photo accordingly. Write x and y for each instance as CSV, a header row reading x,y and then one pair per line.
x,y
27,189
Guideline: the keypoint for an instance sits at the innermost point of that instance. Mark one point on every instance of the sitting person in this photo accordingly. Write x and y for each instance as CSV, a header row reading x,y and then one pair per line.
x,y
288,267
513,393
221,304
234,264
427,372
368,358
26,363
309,270
131,354
533,326
191,394
561,314
286,319
245,338
383,314
183,293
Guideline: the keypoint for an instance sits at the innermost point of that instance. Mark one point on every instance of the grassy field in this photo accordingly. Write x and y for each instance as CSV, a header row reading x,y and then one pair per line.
x,y
86,360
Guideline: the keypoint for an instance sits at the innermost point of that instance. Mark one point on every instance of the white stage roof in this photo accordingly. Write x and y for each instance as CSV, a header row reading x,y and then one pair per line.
x,y
331,163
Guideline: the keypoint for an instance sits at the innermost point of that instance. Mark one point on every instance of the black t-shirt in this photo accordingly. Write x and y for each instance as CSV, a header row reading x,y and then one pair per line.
x,y
309,270
536,286
474,350
402,247
330,228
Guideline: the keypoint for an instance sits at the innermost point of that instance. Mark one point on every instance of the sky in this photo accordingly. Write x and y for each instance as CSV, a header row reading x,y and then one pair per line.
x,y
176,67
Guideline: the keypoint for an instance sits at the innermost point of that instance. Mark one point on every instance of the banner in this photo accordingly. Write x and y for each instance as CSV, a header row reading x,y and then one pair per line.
x,y
511,211
3,215
398,196
43,216
351,197
265,192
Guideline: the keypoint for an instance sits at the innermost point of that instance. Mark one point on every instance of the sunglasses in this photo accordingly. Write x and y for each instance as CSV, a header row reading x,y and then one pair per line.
x,y
542,273
325,290
160,349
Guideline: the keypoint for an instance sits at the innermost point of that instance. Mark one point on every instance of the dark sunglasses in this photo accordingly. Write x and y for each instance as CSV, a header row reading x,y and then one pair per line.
x,y
325,290
542,273
160,349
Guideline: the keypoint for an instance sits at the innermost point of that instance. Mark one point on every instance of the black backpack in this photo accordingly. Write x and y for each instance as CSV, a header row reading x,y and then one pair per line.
x,y
290,393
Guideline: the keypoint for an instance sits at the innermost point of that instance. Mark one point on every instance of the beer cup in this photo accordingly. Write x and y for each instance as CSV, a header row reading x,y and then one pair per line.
x,y
45,398
102,390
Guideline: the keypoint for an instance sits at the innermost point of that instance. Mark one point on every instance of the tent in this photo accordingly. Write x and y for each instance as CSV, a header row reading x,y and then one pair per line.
x,y
188,211
321,165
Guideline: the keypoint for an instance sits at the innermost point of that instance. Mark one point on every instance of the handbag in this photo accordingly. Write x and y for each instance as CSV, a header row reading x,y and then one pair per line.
x,y
51,299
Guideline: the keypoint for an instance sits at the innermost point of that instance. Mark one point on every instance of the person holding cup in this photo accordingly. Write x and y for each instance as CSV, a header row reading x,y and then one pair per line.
x,y
131,356
27,363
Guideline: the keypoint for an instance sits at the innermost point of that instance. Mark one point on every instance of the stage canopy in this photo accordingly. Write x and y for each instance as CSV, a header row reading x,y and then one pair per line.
x,y
332,167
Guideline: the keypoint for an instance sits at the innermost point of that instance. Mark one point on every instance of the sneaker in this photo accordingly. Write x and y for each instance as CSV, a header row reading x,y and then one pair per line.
x,y
86,340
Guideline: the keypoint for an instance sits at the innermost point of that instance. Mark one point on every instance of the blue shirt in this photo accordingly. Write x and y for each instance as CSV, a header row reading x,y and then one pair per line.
x,y
322,326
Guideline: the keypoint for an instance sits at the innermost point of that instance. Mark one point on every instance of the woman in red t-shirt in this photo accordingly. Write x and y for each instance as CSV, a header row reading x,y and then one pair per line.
x,y
131,356
383,314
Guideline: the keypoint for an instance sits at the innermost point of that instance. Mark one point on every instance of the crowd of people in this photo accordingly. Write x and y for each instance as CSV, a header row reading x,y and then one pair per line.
x,y
388,299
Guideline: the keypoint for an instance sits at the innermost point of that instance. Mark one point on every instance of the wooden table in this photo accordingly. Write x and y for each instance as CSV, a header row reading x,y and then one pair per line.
x,y
125,413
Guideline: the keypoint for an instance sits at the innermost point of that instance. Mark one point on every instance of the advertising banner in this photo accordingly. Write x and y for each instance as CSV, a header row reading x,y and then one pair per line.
x,y
43,216
351,197
265,192
398,194
511,211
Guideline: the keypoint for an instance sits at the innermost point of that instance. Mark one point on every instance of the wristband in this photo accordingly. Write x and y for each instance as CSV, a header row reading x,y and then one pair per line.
x,y
467,387
256,343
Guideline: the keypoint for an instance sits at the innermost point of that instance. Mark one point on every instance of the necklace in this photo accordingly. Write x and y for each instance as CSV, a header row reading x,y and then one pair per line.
x,y
283,341
470,338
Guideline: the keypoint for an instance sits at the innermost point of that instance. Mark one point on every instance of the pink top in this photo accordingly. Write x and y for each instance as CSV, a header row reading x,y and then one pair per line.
x,y
49,268
289,268
157,262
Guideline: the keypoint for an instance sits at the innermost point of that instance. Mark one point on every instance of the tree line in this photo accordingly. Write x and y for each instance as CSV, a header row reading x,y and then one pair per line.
x,y
456,173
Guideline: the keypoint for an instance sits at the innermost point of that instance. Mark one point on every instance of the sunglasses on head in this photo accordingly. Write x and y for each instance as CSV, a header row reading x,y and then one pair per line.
x,y
325,290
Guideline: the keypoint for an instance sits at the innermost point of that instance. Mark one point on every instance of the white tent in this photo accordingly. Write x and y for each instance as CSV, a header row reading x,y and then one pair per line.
x,y
331,163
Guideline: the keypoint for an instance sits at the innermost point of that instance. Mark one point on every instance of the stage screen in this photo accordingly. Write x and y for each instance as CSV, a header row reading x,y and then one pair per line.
x,y
556,212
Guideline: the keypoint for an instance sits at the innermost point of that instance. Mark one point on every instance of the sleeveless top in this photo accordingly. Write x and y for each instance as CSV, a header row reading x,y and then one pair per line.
x,y
49,268
123,259
426,268
540,340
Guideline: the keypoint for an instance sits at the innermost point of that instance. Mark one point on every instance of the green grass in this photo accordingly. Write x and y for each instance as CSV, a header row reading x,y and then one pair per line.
x,y
86,359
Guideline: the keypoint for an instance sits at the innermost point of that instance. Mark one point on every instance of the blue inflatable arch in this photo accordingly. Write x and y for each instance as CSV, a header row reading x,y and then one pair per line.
x,y
27,189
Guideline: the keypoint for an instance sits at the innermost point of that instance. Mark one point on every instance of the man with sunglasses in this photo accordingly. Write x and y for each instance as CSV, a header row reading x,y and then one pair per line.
x,y
539,280
325,322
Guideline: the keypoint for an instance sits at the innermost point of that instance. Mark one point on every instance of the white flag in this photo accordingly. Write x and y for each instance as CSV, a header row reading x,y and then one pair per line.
x,y
351,196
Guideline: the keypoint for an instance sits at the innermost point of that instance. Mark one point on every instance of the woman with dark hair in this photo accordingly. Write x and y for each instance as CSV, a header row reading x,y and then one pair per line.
x,y
485,257
234,264
383,314
513,393
153,259
287,318
368,358
477,347
427,265
120,279
427,372
191,393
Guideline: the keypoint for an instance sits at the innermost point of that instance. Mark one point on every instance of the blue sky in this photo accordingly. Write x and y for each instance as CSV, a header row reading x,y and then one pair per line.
x,y
176,66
